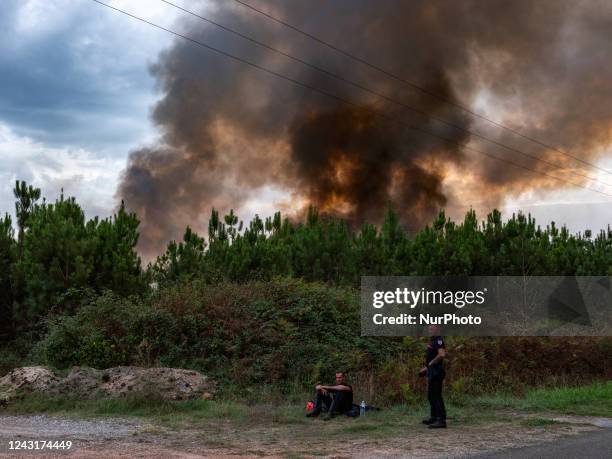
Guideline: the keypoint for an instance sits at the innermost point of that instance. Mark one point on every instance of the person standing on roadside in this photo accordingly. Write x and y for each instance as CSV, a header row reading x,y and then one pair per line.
x,y
435,372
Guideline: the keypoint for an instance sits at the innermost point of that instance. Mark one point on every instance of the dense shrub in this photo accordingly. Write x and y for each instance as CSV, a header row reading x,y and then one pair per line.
x,y
289,332
252,333
96,336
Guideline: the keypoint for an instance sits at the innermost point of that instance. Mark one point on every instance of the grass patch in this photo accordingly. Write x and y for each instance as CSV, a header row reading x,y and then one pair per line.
x,y
181,414
137,406
591,400
594,399
363,427
539,422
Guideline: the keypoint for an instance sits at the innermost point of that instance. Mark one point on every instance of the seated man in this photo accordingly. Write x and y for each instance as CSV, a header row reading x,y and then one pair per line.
x,y
334,399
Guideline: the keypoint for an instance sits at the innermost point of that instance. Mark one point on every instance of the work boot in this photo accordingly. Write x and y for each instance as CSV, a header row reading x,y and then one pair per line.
x,y
438,424
329,416
428,421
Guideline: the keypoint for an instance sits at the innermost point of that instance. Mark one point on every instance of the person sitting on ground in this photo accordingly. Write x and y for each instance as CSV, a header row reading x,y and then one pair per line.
x,y
336,399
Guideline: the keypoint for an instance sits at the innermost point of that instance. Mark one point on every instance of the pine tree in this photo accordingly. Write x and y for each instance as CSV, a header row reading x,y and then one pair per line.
x,y
26,196
7,258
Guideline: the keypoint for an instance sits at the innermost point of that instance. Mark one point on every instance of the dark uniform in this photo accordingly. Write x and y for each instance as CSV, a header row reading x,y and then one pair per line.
x,y
334,402
435,377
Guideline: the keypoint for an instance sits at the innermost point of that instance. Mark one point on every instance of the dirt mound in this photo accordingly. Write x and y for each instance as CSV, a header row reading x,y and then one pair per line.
x,y
83,382
169,383
27,379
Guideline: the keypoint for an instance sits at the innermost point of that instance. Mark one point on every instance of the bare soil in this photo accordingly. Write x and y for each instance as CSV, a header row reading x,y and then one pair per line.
x,y
340,438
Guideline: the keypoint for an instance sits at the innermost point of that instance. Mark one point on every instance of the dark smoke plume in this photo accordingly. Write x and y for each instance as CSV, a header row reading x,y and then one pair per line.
x,y
230,131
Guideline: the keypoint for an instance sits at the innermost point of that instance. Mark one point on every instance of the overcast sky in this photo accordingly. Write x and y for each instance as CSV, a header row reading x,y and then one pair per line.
x,y
75,98
75,95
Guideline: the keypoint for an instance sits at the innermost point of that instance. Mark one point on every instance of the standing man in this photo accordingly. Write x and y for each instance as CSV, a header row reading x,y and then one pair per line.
x,y
434,369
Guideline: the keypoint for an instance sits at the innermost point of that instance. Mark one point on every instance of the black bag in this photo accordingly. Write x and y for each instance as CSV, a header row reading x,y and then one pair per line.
x,y
353,412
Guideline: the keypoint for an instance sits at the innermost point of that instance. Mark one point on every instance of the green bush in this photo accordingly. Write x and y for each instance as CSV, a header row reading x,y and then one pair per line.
x,y
287,333
260,332
96,336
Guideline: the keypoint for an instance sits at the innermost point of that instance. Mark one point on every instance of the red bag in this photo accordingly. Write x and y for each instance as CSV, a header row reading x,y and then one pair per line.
x,y
309,406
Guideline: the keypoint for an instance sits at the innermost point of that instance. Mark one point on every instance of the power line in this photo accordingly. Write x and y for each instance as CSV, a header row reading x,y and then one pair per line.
x,y
338,98
345,101
378,94
418,87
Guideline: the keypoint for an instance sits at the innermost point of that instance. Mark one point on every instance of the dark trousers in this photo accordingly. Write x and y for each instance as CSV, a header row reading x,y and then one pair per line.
x,y
332,402
434,395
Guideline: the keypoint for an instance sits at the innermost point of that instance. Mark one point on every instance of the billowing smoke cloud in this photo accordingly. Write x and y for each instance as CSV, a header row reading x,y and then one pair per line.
x,y
230,130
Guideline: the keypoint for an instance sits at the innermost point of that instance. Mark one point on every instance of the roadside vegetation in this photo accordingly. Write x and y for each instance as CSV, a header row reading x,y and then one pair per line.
x,y
590,400
270,308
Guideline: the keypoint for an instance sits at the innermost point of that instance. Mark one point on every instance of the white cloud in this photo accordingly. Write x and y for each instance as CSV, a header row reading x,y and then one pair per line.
x,y
577,208
41,17
84,98
91,179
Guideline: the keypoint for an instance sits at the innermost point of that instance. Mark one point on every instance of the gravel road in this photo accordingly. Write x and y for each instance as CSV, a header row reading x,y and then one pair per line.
x,y
79,432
